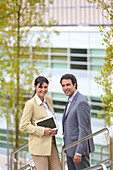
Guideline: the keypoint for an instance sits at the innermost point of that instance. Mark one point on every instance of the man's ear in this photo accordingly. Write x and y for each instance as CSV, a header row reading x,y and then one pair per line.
x,y
75,85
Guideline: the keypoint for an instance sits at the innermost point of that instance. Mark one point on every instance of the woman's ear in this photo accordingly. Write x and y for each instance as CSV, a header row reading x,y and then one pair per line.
x,y
34,87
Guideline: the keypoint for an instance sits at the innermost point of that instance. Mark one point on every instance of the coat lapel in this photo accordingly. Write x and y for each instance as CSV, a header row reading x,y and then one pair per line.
x,y
72,104
41,108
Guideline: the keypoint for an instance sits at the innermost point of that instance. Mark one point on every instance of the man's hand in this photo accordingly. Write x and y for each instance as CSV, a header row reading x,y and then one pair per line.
x,y
77,159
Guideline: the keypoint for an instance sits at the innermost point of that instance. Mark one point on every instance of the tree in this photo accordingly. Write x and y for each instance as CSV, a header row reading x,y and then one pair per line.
x,y
18,60
2,91
105,79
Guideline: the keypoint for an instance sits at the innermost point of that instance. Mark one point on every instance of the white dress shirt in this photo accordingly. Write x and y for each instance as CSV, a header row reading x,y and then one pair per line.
x,y
69,100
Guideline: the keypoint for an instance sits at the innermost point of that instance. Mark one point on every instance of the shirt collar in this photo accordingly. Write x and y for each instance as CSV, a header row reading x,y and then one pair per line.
x,y
71,98
38,100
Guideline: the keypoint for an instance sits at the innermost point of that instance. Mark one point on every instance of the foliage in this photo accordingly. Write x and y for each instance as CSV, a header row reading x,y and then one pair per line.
x,y
18,54
105,79
2,91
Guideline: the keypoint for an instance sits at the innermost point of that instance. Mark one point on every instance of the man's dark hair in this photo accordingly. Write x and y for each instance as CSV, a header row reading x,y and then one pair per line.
x,y
71,77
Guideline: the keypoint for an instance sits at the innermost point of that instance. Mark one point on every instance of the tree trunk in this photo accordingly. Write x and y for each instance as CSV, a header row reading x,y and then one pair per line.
x,y
18,91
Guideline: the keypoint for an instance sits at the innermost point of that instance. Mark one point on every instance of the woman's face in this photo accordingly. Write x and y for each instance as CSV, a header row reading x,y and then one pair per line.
x,y
41,91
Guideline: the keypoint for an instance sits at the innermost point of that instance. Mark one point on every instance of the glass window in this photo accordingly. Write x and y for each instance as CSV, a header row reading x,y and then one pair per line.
x,y
78,66
97,60
58,106
93,67
76,59
81,59
96,107
59,50
58,110
42,65
94,115
64,58
95,104
59,65
40,57
95,99
57,102
97,51
78,51
59,95
38,49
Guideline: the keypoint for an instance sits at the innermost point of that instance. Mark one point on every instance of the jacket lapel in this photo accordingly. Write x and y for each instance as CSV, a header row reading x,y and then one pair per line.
x,y
72,104
41,108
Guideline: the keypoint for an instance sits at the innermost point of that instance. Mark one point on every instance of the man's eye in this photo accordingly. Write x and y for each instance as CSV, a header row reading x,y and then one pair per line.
x,y
45,87
68,84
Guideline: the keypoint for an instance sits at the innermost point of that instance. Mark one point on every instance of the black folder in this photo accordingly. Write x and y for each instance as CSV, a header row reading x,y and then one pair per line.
x,y
48,122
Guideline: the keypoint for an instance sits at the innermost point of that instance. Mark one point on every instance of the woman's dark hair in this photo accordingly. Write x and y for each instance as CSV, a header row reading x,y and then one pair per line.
x,y
40,80
71,77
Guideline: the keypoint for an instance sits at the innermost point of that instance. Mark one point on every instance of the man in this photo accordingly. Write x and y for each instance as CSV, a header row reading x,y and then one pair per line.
x,y
76,125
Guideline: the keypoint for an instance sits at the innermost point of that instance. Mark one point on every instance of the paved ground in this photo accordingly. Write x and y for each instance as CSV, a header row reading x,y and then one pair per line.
x,y
3,162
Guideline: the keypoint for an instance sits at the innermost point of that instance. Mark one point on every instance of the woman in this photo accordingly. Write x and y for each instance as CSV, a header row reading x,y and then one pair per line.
x,y
42,144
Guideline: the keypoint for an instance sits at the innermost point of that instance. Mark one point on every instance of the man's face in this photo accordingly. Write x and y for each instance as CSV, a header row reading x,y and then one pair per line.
x,y
68,87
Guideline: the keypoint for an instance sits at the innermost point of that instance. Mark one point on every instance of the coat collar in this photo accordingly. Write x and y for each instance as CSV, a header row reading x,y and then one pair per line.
x,y
39,102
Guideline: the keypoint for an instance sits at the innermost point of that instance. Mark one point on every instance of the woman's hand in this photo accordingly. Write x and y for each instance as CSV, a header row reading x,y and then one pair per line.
x,y
48,131
53,132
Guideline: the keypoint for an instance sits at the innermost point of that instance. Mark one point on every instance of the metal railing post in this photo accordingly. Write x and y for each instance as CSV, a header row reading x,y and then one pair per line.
x,y
11,162
14,152
62,160
102,150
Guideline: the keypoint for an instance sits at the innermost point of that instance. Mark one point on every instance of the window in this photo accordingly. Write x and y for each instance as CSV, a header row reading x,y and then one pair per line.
x,y
78,51
95,106
59,50
62,58
59,106
59,65
97,52
78,59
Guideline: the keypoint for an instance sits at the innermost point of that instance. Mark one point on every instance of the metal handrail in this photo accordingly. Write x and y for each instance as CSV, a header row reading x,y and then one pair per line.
x,y
71,145
97,166
17,150
24,167
102,150
88,137
105,161
13,153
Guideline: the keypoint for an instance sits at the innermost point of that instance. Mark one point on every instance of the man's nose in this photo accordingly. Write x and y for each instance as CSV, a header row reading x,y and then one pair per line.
x,y
65,87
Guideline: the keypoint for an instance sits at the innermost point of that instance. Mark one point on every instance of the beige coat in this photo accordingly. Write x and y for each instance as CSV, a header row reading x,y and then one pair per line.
x,y
38,144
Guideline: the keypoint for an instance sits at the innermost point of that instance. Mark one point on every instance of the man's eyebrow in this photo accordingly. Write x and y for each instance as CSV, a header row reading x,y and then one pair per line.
x,y
66,84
